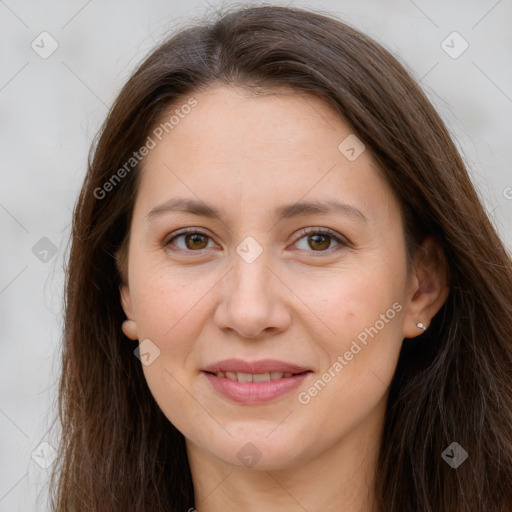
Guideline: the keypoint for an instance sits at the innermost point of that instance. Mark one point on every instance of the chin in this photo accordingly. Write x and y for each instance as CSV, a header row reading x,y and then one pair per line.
x,y
255,449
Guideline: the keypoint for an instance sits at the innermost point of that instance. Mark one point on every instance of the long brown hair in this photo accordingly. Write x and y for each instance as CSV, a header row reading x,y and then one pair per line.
x,y
118,451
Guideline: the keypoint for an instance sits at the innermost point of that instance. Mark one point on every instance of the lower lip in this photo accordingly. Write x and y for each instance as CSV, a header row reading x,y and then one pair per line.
x,y
255,392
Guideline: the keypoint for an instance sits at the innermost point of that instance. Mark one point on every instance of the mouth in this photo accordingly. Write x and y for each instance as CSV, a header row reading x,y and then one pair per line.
x,y
255,377
252,383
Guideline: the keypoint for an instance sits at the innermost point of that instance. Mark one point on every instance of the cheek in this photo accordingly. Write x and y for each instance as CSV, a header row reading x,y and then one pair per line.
x,y
359,360
364,307
346,302
167,309
166,303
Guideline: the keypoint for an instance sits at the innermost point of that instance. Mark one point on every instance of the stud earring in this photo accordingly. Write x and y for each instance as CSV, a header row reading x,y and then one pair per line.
x,y
421,326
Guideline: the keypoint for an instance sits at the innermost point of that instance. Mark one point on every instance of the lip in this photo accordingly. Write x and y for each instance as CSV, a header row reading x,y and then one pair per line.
x,y
253,393
261,366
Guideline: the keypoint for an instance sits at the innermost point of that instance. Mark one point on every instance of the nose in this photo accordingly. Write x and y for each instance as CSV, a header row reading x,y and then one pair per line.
x,y
253,300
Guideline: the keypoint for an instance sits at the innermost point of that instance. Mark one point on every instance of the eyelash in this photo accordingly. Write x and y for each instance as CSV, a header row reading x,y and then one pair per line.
x,y
342,242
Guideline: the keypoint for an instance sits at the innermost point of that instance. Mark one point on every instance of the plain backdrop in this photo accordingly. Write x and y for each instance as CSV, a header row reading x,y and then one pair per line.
x,y
51,107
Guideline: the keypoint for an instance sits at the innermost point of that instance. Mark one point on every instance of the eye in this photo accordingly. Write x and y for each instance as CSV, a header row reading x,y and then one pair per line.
x,y
195,240
319,239
192,238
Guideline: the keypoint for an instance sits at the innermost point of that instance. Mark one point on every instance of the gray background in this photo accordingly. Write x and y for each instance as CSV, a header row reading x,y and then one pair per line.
x,y
50,109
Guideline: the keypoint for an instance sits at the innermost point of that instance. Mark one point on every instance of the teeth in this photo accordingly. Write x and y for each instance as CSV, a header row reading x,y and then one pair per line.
x,y
261,377
256,377
244,377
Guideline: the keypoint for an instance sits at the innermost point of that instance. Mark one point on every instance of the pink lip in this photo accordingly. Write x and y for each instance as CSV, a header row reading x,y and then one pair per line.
x,y
262,366
255,392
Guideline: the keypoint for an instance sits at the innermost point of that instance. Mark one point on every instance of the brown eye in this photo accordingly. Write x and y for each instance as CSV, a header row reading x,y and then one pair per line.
x,y
320,240
190,240
196,241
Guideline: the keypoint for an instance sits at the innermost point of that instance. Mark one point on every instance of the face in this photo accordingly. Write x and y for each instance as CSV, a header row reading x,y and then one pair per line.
x,y
310,304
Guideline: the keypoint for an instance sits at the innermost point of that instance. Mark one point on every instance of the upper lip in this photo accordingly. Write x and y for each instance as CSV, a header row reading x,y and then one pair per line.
x,y
261,366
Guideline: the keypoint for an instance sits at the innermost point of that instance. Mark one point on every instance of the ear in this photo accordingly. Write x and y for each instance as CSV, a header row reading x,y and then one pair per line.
x,y
129,325
428,287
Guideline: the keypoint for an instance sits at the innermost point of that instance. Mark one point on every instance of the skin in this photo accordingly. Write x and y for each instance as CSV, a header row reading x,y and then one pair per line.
x,y
298,301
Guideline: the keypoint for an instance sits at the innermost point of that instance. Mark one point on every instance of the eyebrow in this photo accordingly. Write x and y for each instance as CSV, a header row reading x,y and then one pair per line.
x,y
289,211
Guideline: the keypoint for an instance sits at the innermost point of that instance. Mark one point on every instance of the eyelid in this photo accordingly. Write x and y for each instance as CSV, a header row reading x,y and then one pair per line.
x,y
323,231
185,231
342,241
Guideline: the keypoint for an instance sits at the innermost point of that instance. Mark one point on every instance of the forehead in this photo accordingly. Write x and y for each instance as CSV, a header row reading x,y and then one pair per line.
x,y
248,150
235,122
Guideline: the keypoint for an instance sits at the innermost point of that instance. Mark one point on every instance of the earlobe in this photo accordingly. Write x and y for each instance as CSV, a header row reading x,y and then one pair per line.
x,y
130,329
429,288
129,326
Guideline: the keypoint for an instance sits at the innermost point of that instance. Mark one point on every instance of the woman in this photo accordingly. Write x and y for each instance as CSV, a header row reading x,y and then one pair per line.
x,y
283,291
